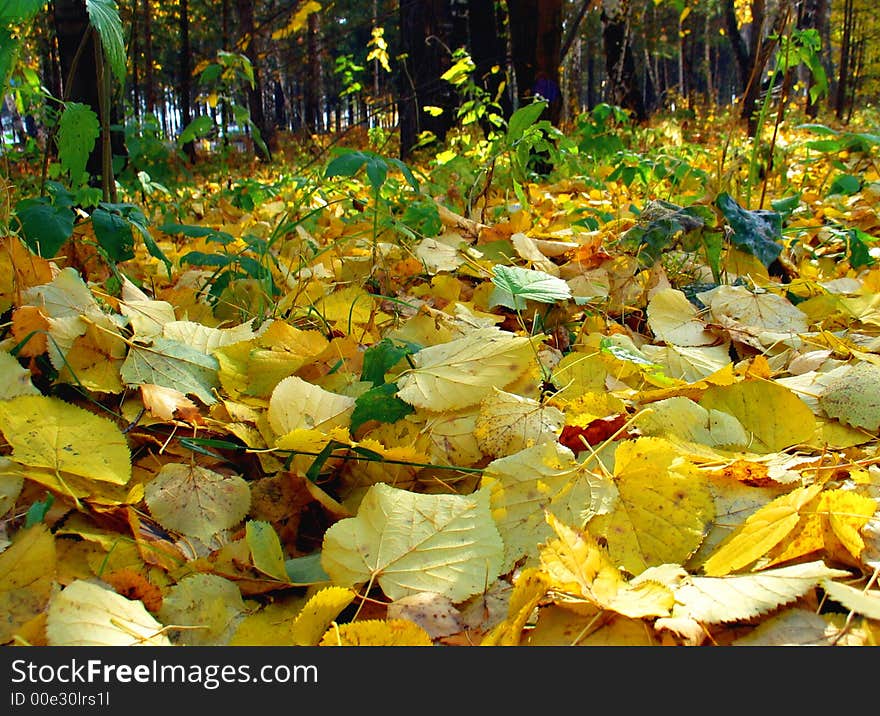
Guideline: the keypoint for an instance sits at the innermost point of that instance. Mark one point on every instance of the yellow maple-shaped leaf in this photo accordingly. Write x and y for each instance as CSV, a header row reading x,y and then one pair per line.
x,y
543,478
530,588
318,614
296,404
27,575
86,614
714,600
664,510
196,501
209,606
460,373
834,517
673,319
763,530
789,423
578,566
508,423
411,543
377,632
46,432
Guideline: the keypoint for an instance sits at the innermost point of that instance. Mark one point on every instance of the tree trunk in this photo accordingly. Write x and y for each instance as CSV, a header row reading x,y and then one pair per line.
x,y
424,26
536,42
79,71
255,93
314,86
488,47
149,81
845,59
185,72
623,86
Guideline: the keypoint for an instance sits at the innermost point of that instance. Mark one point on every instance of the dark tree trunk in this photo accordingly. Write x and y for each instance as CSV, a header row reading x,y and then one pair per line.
x,y
314,86
255,93
811,15
135,69
488,46
620,66
185,77
149,81
424,28
79,71
846,45
536,43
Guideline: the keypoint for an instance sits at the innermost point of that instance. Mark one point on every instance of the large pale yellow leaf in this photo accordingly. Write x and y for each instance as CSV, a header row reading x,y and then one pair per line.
x,y
686,363
376,632
713,600
460,373
543,478
789,423
318,614
664,510
205,338
196,501
296,403
14,379
48,433
411,543
860,601
27,575
799,627
86,614
508,423
673,319
854,397
576,565
762,531
683,418
208,605
761,311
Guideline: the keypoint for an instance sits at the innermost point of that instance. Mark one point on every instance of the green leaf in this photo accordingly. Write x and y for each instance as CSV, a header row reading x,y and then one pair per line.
x,y
199,127
9,46
37,511
172,364
845,184
522,119
345,165
515,285
306,570
382,357
265,547
857,244
113,234
756,232
377,172
380,403
16,11
77,132
44,226
104,17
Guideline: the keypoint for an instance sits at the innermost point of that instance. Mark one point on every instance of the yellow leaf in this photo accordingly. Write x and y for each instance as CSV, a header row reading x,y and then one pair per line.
x,y
713,600
864,602
543,478
762,531
558,626
86,614
664,510
318,614
196,501
271,625
209,605
508,423
683,418
789,423
27,575
576,565
411,543
530,588
296,403
673,319
48,433
375,632
298,21
14,380
460,373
